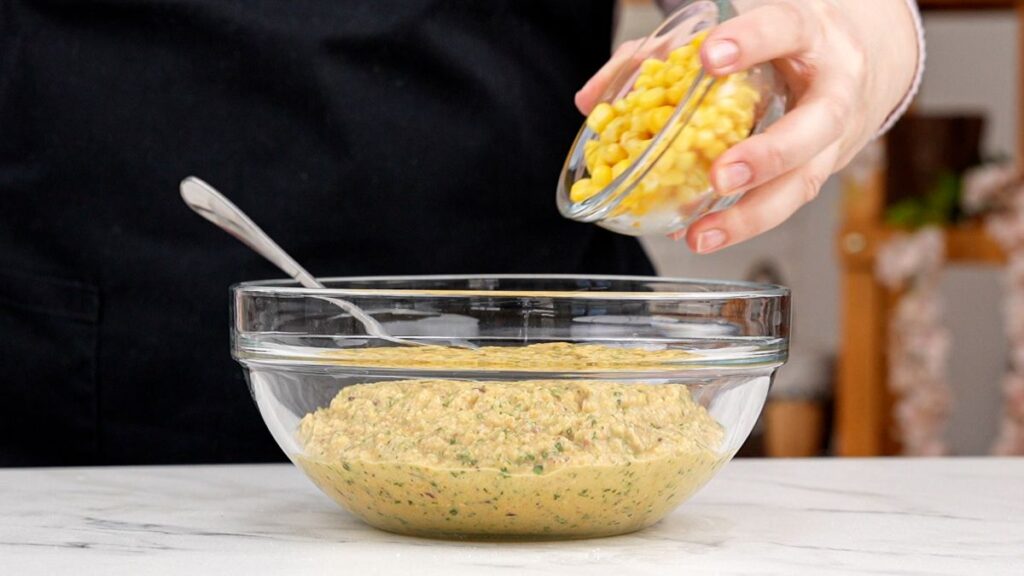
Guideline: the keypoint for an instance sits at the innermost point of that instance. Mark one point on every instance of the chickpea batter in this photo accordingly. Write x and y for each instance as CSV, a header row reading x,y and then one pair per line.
x,y
535,459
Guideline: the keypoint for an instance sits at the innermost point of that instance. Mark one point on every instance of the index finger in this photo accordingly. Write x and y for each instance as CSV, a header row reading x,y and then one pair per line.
x,y
763,34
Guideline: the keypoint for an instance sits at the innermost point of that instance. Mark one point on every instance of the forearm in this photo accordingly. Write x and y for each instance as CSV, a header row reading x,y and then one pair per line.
x,y
894,51
893,47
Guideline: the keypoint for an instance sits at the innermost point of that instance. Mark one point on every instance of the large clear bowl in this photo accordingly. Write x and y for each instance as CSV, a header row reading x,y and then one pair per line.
x,y
592,406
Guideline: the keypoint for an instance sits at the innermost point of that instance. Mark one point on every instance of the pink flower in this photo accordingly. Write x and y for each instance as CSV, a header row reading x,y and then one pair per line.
x,y
907,256
982,186
1007,228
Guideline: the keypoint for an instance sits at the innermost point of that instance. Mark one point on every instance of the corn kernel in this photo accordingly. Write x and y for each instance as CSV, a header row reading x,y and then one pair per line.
x,y
651,98
686,161
703,138
602,176
619,168
705,116
686,138
600,116
657,118
675,94
613,153
613,130
672,178
582,190
649,185
674,74
697,181
714,149
591,156
638,121
682,54
729,105
723,126
636,147
651,66
630,135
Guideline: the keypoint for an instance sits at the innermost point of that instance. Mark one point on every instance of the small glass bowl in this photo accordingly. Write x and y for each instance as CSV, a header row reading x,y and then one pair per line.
x,y
593,407
647,197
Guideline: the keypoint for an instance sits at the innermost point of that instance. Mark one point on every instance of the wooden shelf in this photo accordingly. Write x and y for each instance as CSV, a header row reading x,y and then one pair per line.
x,y
965,244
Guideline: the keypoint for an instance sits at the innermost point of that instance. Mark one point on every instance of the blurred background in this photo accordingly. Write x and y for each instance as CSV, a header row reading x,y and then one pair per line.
x,y
836,395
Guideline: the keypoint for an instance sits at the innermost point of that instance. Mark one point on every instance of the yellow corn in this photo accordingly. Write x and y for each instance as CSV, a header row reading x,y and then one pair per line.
x,y
581,190
672,178
631,135
651,98
724,126
612,154
600,116
613,130
703,139
590,153
619,168
686,161
651,66
644,81
602,176
657,118
674,74
628,126
714,149
674,94
634,148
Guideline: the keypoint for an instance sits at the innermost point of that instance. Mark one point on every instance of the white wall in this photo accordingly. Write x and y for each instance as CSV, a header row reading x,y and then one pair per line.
x,y
971,66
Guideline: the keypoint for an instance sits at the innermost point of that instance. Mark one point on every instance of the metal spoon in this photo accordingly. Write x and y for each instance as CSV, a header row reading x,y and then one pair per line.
x,y
215,207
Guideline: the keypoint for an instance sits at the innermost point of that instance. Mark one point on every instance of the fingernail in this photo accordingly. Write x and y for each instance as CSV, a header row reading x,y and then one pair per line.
x,y
732,176
722,53
710,240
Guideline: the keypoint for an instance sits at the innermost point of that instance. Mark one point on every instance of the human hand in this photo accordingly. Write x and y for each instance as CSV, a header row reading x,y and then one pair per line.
x,y
847,65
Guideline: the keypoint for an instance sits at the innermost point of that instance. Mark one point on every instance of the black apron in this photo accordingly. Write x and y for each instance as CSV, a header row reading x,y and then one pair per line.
x,y
366,136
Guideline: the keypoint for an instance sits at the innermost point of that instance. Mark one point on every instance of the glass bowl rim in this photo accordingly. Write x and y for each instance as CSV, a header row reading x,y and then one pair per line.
x,y
727,289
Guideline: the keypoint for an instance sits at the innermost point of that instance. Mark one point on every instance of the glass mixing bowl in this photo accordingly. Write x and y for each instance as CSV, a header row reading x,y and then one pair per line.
x,y
592,406
641,162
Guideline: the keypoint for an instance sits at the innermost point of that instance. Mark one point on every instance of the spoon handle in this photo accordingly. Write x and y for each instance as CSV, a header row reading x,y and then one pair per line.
x,y
206,201
215,207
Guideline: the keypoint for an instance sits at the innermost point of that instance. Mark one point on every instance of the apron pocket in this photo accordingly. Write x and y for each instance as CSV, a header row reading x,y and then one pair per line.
x,y
48,345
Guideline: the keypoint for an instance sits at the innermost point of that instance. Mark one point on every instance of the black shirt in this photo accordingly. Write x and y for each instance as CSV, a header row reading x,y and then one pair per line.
x,y
367,137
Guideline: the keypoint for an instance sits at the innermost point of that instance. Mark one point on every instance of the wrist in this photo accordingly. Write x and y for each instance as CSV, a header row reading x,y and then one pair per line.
x,y
918,74
891,33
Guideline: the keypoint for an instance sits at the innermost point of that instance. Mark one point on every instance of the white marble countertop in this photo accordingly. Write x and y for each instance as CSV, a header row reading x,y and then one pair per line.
x,y
953,516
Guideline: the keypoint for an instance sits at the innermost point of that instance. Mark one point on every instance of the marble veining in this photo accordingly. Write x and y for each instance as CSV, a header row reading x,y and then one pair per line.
x,y
785,517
